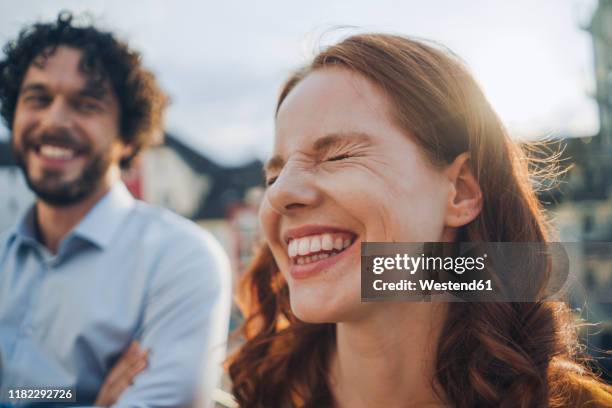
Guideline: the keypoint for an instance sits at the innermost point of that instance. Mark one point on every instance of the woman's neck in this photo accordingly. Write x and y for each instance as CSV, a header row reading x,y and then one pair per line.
x,y
388,357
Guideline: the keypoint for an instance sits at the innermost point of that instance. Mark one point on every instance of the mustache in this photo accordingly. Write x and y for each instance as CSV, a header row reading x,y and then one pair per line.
x,y
61,138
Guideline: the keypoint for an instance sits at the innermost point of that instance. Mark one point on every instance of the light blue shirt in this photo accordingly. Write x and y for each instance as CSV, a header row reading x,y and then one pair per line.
x,y
128,271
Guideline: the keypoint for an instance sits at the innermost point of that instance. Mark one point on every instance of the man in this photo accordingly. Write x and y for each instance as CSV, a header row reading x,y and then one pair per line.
x,y
119,301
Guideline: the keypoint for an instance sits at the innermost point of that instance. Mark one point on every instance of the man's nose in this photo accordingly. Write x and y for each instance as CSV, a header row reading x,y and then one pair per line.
x,y
295,188
57,115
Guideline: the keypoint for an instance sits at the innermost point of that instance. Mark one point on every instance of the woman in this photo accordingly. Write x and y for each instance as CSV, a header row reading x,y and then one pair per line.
x,y
382,138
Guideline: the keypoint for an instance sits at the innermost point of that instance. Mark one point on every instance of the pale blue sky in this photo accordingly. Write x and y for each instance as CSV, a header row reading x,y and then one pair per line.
x,y
222,62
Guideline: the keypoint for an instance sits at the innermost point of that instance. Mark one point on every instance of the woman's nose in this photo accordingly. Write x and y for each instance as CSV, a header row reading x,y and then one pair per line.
x,y
295,188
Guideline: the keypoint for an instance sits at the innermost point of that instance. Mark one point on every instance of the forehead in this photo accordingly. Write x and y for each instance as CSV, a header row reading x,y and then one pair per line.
x,y
331,101
59,69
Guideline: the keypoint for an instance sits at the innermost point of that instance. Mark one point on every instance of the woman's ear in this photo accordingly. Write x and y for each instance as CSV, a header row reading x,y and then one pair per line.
x,y
465,197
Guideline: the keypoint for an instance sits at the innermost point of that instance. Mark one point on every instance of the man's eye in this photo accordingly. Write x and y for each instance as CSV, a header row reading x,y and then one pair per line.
x,y
37,100
88,107
339,157
271,181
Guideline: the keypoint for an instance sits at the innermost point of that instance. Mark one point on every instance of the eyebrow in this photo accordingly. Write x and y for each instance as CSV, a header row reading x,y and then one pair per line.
x,y
34,87
323,144
88,91
95,91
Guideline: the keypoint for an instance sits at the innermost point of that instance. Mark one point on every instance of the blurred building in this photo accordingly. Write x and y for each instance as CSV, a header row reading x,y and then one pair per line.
x,y
583,204
601,31
222,199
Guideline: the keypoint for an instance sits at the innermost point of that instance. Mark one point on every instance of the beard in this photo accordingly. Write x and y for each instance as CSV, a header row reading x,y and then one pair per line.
x,y
49,186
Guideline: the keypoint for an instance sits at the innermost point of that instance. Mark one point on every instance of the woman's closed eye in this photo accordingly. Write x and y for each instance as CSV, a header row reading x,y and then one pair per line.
x,y
270,180
339,157
332,158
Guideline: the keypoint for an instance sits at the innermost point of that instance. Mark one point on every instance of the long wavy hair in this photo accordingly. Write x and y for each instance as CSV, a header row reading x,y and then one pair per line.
x,y
488,354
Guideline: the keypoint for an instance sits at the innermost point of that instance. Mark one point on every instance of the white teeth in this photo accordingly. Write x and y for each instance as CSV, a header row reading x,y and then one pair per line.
x,y
315,244
303,246
327,243
309,249
55,152
338,243
293,248
301,260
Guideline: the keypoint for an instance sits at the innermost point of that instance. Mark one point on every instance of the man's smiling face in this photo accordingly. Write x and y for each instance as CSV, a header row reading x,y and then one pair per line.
x,y
65,129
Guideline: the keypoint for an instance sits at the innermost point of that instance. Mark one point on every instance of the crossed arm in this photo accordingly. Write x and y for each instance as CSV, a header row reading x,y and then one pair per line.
x,y
182,342
132,362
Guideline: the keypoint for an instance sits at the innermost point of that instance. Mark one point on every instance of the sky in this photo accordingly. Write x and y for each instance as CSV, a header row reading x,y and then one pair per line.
x,y
223,62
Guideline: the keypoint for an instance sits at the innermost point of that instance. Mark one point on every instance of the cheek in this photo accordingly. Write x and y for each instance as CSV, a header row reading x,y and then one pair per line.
x,y
20,122
102,130
416,213
402,202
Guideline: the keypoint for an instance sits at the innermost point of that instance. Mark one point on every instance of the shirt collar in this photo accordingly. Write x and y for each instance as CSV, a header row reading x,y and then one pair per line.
x,y
107,215
99,224
26,229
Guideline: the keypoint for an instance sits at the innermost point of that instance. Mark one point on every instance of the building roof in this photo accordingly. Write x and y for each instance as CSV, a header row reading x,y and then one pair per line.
x,y
229,184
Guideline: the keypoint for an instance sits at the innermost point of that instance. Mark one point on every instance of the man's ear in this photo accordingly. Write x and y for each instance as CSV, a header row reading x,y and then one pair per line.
x,y
123,150
464,201
126,150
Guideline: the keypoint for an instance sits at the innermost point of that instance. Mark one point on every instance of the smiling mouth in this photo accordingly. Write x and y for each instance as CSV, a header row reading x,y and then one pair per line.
x,y
316,247
55,152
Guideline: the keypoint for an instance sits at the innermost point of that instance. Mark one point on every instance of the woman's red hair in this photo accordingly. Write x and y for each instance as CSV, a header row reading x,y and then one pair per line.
x,y
488,355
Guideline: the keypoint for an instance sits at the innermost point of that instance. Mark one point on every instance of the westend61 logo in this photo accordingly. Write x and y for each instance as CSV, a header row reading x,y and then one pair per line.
x,y
490,272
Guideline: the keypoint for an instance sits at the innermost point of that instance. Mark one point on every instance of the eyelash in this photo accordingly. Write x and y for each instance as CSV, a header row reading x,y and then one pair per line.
x,y
87,106
339,157
270,181
37,99
40,100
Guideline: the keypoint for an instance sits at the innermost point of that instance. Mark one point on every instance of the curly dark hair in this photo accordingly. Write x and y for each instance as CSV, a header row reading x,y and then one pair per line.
x,y
104,58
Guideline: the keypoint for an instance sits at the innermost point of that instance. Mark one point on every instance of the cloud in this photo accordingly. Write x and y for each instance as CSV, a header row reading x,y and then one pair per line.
x,y
223,62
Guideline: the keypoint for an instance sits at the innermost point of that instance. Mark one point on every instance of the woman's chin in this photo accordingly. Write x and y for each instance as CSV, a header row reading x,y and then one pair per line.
x,y
319,309
314,318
